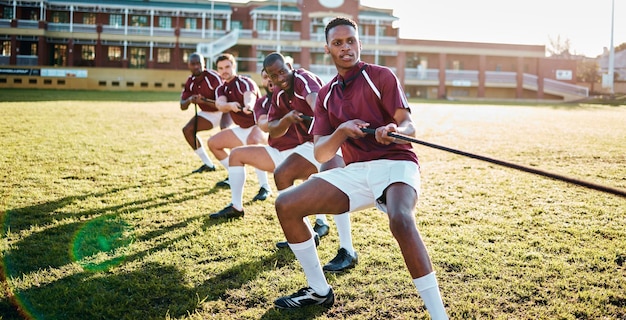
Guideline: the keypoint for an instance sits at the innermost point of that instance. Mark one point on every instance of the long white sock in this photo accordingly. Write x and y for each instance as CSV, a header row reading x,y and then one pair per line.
x,y
201,152
237,179
306,253
321,217
224,162
428,289
262,176
342,221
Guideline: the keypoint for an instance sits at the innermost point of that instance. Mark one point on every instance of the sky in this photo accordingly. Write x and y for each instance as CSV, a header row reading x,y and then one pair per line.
x,y
586,24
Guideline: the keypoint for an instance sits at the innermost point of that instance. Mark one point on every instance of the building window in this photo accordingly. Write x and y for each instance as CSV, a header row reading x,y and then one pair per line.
x,y
187,53
287,26
88,52
190,23
6,48
263,25
60,17
115,20
137,58
165,22
89,18
218,24
7,13
163,55
234,25
139,21
33,49
115,54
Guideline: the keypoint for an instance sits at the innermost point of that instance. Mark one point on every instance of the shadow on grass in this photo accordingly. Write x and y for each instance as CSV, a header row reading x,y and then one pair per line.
x,y
94,293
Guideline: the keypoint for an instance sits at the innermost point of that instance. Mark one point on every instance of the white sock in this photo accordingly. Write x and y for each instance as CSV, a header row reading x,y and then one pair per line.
x,y
224,162
321,217
262,176
342,221
237,179
428,289
306,253
201,152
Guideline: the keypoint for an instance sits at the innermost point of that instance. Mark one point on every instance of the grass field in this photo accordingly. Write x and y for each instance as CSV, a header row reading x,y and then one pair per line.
x,y
101,218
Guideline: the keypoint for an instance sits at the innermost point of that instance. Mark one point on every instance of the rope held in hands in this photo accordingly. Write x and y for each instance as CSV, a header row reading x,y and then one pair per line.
x,y
555,176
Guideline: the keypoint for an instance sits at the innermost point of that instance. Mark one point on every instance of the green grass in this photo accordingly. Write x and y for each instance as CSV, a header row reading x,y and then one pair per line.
x,y
102,220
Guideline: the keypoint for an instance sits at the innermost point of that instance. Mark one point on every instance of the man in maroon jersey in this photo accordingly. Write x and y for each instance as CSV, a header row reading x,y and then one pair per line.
x,y
237,96
200,90
380,171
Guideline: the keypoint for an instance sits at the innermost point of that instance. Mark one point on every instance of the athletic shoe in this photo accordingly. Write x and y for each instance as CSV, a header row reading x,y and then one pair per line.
x,y
223,184
285,244
342,261
305,297
321,227
228,212
204,168
262,195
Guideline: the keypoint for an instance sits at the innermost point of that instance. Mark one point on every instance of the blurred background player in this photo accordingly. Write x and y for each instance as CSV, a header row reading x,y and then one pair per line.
x,y
237,95
200,90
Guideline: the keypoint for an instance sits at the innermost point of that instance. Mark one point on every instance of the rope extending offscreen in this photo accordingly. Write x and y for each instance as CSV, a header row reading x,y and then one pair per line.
x,y
578,182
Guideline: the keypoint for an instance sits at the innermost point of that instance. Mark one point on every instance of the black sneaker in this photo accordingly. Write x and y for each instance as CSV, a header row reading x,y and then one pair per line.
x,y
305,297
321,227
223,184
204,168
262,195
285,244
342,261
228,212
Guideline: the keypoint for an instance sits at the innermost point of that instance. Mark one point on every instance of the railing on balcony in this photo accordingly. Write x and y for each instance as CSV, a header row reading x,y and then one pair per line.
x,y
28,24
273,35
531,81
421,74
5,23
27,60
501,77
550,85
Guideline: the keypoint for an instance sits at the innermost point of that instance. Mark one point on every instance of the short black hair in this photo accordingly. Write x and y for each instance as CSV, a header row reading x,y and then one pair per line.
x,y
340,21
271,58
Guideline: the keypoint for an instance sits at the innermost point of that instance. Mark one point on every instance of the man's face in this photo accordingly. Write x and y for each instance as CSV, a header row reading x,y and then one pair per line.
x,y
281,74
226,70
195,66
343,46
266,82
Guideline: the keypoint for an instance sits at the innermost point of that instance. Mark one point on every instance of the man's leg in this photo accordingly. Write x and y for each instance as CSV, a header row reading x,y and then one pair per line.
x,y
256,156
401,200
225,139
292,207
190,132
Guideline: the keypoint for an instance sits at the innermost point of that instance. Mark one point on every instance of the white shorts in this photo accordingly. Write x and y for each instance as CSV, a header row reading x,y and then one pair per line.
x,y
365,182
242,134
305,150
213,117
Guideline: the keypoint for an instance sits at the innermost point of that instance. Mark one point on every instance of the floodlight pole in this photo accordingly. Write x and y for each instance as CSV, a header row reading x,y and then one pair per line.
x,y
278,28
612,51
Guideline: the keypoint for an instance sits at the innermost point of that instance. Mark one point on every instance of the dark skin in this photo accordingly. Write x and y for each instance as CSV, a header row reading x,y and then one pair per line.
x,y
318,196
196,66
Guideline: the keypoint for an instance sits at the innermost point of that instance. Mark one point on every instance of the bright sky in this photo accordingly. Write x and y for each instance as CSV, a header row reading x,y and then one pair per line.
x,y
585,23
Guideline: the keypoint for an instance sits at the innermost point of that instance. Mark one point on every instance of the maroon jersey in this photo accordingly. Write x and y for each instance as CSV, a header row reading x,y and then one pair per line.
x,y
287,141
304,83
233,91
371,93
205,85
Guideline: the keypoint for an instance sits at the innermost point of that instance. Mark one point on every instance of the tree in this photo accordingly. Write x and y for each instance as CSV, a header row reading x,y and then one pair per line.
x,y
587,71
559,48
